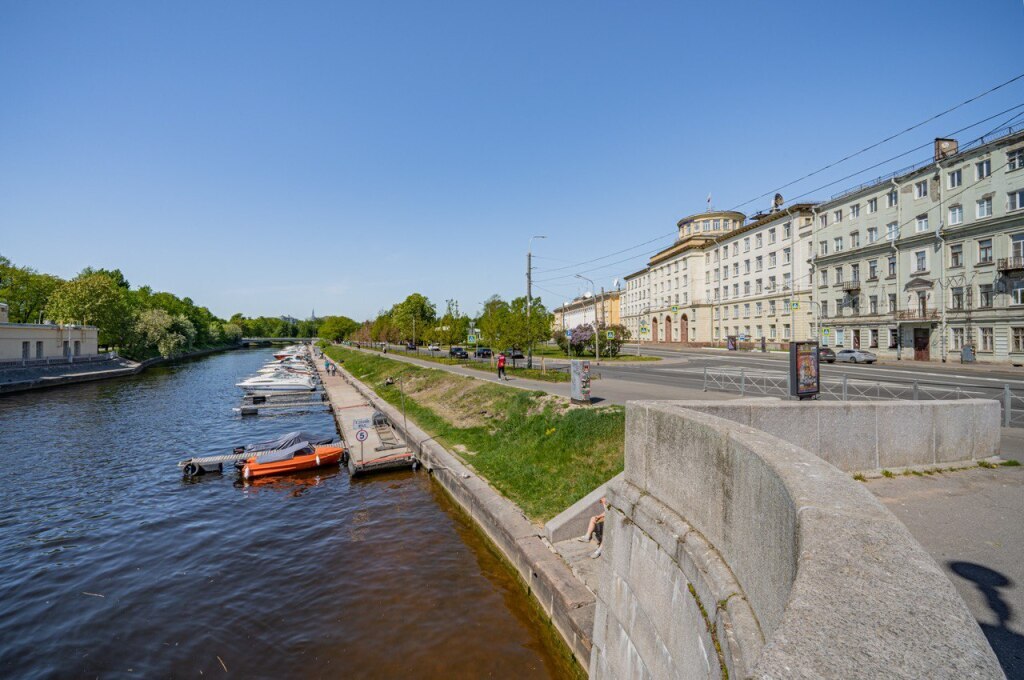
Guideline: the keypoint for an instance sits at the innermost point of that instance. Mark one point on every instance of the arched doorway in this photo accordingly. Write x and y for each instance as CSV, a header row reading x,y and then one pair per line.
x,y
654,329
684,329
668,328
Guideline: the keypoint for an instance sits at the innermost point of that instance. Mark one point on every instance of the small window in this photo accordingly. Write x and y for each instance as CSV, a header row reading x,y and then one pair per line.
x,y
956,214
855,210
837,242
872,205
922,223
921,189
985,295
1015,159
892,265
872,270
855,239
986,339
837,215
892,198
956,255
954,179
823,220
872,234
892,231
982,169
1015,200
984,251
921,261
1018,338
984,207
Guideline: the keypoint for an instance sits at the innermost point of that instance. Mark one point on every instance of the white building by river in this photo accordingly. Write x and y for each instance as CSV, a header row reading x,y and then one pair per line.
x,y
35,341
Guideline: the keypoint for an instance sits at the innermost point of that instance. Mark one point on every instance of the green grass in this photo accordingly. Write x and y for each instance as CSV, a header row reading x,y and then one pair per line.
x,y
530,373
555,352
1010,463
533,447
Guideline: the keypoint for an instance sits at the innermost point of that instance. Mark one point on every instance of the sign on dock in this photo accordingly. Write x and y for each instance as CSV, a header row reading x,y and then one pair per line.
x,y
361,435
360,424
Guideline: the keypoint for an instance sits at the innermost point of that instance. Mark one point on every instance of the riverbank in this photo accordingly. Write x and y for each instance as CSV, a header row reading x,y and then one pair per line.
x,y
117,367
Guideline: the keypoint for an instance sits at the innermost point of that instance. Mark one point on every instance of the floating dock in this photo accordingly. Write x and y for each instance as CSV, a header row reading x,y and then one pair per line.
x,y
253,405
371,441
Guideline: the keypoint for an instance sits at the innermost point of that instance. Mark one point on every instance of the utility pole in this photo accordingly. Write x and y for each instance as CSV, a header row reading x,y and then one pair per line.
x,y
597,340
529,300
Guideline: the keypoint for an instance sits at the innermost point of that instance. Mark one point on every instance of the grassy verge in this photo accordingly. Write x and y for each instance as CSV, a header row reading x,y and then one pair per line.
x,y
530,373
535,448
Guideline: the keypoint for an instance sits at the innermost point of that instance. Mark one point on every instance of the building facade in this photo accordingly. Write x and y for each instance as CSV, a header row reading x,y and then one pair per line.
x,y
923,263
33,341
604,307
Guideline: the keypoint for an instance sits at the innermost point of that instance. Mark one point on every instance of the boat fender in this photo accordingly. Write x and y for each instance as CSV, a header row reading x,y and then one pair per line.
x,y
190,470
318,460
246,473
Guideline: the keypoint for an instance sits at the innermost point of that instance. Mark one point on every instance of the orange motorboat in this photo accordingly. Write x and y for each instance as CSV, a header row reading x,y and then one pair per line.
x,y
302,456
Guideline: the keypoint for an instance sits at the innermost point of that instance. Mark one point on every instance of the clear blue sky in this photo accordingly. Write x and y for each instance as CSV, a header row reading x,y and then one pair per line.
x,y
271,157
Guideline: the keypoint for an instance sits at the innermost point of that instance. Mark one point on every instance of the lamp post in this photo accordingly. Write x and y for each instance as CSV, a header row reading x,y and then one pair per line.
x,y
597,340
529,300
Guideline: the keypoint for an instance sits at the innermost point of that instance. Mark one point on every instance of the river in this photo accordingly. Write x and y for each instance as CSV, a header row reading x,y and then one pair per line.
x,y
112,566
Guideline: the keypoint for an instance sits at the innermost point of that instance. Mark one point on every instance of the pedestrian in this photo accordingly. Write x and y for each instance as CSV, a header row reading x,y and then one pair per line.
x,y
595,529
501,366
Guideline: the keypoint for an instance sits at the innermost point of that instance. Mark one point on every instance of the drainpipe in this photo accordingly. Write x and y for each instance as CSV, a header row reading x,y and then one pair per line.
x,y
815,309
942,267
896,252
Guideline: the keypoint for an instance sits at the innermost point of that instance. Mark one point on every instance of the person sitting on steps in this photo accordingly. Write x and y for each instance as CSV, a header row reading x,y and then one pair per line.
x,y
595,529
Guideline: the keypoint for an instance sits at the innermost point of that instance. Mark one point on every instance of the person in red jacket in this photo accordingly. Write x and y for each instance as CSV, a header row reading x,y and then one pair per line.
x,y
501,366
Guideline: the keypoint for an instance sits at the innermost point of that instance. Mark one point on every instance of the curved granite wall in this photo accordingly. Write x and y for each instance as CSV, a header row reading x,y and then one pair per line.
x,y
732,552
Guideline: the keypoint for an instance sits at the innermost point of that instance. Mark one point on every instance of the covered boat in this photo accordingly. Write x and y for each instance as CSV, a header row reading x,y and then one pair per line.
x,y
289,453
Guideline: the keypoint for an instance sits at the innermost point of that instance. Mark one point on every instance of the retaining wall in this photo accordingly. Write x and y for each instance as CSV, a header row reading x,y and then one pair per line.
x,y
730,551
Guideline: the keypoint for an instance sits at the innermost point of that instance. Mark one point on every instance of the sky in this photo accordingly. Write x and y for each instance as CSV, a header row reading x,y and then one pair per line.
x,y
276,158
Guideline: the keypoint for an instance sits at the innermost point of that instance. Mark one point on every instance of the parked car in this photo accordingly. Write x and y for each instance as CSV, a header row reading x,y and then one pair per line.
x,y
827,355
514,353
433,347
458,353
483,353
410,346
856,356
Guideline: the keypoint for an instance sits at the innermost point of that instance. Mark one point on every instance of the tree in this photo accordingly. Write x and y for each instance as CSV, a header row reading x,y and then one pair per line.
x,y
336,328
453,327
95,300
25,291
232,332
413,315
494,322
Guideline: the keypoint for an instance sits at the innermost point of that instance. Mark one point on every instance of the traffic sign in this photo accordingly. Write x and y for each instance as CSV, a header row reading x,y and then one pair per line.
x,y
472,338
675,308
610,335
824,331
361,435
794,305
361,423
568,333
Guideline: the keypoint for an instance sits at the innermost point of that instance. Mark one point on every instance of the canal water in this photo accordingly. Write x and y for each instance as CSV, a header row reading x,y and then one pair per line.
x,y
112,566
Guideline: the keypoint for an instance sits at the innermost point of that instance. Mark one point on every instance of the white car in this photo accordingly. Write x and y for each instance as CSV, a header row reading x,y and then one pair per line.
x,y
433,347
856,356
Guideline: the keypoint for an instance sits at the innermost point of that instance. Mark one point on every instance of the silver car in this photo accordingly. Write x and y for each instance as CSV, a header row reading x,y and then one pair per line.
x,y
857,356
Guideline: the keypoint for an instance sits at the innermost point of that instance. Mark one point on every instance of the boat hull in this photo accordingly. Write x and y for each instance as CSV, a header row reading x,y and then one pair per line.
x,y
322,456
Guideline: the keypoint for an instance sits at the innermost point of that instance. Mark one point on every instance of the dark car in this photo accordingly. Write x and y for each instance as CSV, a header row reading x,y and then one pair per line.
x,y
514,353
483,353
827,355
457,353
411,347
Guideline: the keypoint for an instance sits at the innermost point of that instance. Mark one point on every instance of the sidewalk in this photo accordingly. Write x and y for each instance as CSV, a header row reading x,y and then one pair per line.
x,y
604,391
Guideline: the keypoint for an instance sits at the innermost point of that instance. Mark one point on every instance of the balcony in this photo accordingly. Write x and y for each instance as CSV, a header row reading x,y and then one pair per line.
x,y
1011,264
919,314
851,286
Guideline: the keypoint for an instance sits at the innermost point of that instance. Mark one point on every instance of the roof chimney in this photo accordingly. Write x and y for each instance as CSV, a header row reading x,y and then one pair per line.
x,y
944,148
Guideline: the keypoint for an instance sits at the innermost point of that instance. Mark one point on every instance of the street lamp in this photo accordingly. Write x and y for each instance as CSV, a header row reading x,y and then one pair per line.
x,y
597,340
529,300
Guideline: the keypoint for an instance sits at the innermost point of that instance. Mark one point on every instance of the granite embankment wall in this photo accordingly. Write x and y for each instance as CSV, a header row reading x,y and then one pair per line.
x,y
733,552
116,368
569,604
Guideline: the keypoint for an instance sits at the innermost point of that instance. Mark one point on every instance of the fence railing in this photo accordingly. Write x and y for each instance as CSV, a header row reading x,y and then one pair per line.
x,y
846,389
57,361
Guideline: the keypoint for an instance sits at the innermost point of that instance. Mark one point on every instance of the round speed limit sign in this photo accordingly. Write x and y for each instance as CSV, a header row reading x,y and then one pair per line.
x,y
361,435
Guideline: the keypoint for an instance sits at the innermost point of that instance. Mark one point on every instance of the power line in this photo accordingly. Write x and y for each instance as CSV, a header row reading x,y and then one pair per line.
x,y
605,257
887,139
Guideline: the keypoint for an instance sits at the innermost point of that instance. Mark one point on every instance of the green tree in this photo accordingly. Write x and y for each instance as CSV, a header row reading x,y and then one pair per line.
x,y
494,322
25,291
452,328
336,328
94,299
413,315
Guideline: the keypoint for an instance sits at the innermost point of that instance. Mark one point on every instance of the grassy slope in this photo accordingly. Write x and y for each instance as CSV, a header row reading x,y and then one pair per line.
x,y
533,447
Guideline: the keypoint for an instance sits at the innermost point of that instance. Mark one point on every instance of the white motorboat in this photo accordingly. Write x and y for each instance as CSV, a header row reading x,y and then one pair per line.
x,y
288,370
277,382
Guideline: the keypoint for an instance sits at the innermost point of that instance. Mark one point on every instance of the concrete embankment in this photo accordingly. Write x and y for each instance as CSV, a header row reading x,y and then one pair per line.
x,y
568,602
731,552
114,368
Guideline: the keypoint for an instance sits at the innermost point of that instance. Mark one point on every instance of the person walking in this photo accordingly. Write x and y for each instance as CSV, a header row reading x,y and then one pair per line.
x,y
501,367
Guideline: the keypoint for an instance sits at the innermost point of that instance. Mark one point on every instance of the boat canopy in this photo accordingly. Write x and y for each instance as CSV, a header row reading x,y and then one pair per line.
x,y
284,454
289,440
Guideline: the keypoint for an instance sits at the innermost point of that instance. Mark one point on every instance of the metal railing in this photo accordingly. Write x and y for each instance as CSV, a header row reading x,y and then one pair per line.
x,y
1009,264
846,389
57,361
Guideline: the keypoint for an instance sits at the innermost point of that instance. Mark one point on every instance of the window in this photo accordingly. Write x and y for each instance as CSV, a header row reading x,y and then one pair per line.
x,y
921,261
984,251
837,242
839,275
986,339
922,223
892,199
823,220
746,245
771,283
873,304
824,309
1017,293
921,189
956,338
892,231
757,286
892,265
746,311
984,207
787,230
954,179
892,303
872,270
1017,245
760,331
823,247
1018,338
956,255
1016,200
746,287
772,259
956,298
758,241
894,338
837,215
771,332
785,331
786,255
735,290
1015,159
771,307
823,277
872,205
758,310
982,169
787,281
854,210
735,249
771,235
746,266
956,214
985,295
872,234
735,268
839,307
855,239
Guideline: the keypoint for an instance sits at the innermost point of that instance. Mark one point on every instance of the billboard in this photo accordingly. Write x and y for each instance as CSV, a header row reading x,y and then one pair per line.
x,y
804,376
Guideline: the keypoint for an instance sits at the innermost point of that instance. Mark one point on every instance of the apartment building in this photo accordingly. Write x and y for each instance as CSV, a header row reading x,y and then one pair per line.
x,y
919,264
757,279
604,307
633,301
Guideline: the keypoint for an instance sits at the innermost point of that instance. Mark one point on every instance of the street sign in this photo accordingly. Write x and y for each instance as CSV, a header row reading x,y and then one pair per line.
x,y
361,423
361,435
824,331
472,338
675,308
568,333
794,305
610,335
